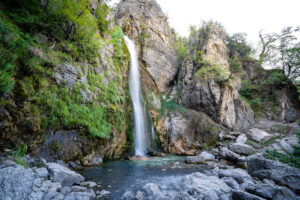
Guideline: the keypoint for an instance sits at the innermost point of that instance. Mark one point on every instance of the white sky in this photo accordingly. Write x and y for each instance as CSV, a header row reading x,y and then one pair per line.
x,y
249,16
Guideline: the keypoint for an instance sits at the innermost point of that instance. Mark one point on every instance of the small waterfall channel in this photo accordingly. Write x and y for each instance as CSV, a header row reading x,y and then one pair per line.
x,y
140,126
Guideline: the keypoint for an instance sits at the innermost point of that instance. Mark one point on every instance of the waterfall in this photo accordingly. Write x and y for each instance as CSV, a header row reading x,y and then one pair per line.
x,y
137,101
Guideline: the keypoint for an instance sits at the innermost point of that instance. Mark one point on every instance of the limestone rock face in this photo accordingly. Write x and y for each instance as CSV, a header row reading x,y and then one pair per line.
x,y
219,101
185,133
145,22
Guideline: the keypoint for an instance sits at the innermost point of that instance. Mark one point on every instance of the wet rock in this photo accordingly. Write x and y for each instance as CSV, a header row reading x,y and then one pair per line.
x,y
62,174
282,174
241,139
241,195
203,157
240,175
259,135
241,148
42,172
139,157
15,181
103,195
89,184
92,160
129,195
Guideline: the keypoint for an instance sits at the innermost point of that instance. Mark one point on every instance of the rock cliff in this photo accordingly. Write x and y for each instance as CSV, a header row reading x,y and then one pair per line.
x,y
145,22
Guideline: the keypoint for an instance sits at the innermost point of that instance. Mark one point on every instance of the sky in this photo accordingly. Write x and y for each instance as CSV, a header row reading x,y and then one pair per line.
x,y
248,16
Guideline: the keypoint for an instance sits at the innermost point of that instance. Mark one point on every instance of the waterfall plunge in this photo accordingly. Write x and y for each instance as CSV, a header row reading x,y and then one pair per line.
x,y
136,97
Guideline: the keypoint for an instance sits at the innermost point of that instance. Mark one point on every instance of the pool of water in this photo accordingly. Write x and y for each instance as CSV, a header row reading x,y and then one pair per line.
x,y
120,176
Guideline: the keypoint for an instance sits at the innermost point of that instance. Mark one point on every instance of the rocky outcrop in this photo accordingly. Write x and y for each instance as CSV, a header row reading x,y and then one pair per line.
x,y
185,133
145,22
280,173
54,182
219,101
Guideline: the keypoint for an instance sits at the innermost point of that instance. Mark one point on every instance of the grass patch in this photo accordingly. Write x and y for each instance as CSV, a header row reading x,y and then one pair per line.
x,y
288,158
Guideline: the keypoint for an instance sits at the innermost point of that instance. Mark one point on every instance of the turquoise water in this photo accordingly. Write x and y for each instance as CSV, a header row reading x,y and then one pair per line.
x,y
120,176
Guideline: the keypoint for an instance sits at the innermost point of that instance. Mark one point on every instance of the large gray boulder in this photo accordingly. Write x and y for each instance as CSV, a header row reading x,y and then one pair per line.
x,y
241,195
228,154
207,187
59,173
269,191
202,158
15,181
243,149
259,135
151,191
282,174
240,175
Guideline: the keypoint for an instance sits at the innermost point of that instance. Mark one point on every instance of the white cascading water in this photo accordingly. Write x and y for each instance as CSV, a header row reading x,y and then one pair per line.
x,y
136,97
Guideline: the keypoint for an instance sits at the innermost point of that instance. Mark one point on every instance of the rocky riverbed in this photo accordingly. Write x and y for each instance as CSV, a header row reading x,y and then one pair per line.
x,y
236,169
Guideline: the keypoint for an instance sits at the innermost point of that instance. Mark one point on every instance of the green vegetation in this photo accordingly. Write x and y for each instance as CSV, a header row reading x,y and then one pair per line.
x,y
19,155
291,159
168,105
212,71
277,79
36,37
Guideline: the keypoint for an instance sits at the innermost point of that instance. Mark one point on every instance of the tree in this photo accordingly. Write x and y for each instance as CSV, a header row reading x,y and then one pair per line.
x,y
238,46
281,52
268,42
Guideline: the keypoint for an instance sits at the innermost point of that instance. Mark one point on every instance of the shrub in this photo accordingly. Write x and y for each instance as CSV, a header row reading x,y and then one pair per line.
x,y
247,89
277,78
212,72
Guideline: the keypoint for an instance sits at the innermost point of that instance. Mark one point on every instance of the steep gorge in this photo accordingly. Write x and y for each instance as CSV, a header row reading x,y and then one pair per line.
x,y
190,101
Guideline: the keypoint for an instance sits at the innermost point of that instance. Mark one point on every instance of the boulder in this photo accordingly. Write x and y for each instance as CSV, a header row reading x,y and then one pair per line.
x,y
201,185
240,175
241,139
203,157
241,195
42,172
151,191
15,181
241,148
89,184
128,195
259,135
282,174
228,155
66,177
80,196
231,182
194,160
269,191
103,195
